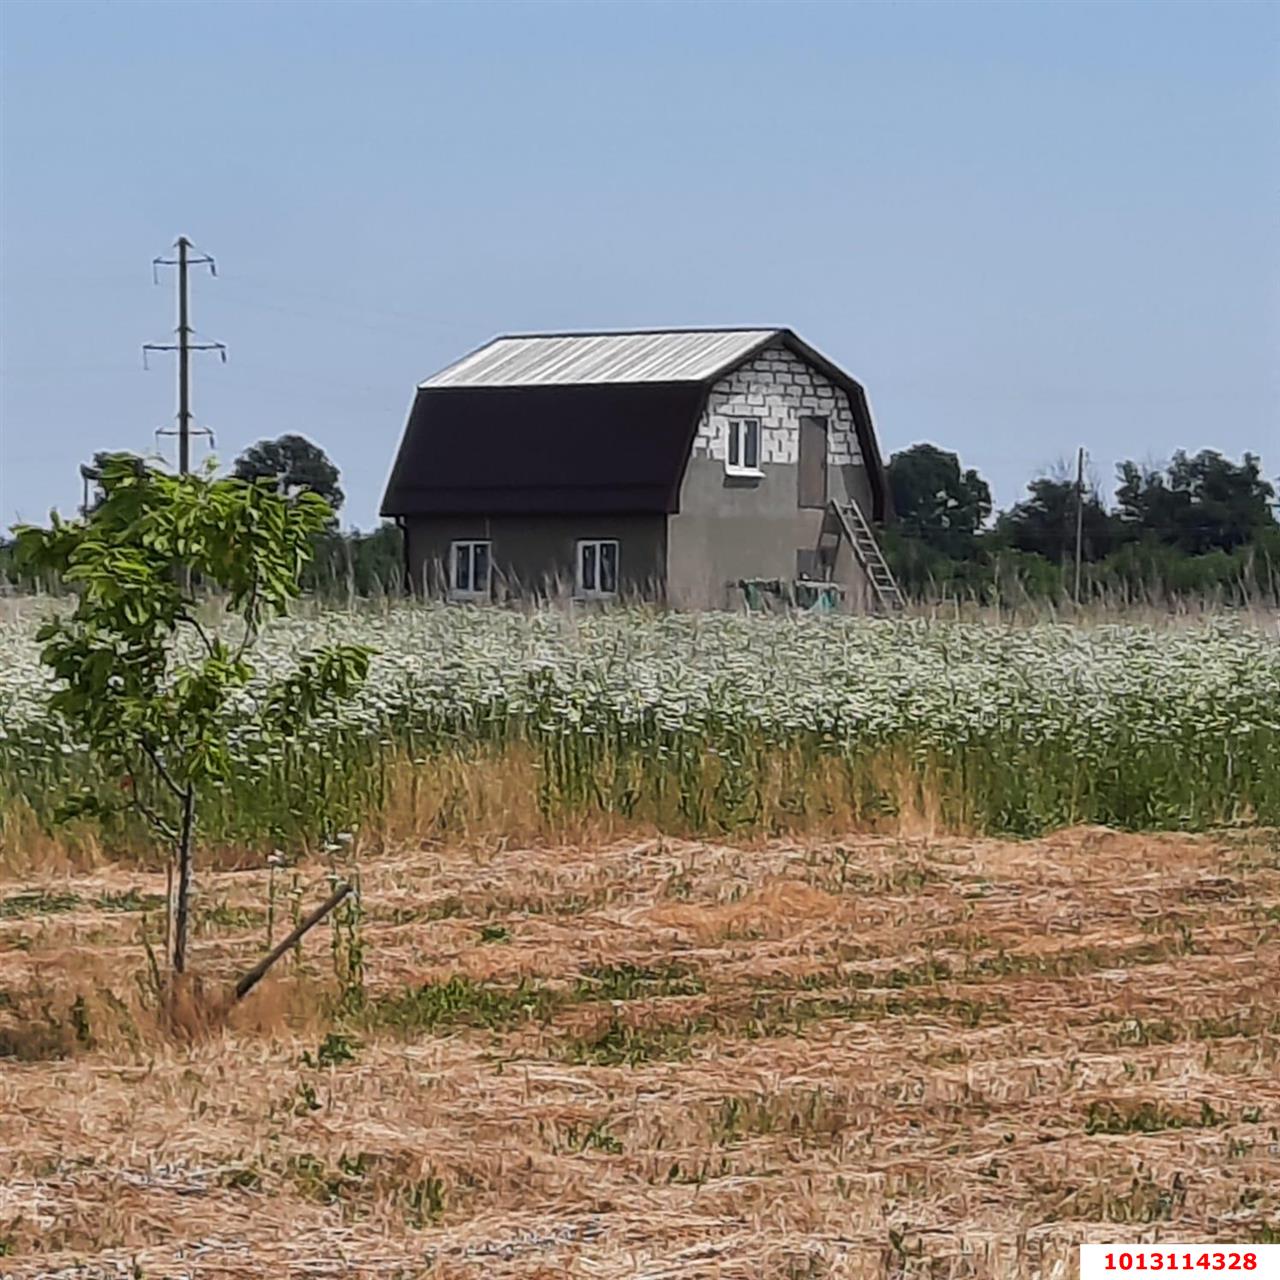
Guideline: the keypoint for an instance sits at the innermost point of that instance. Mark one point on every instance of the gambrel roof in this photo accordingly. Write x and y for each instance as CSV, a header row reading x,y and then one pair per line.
x,y
581,422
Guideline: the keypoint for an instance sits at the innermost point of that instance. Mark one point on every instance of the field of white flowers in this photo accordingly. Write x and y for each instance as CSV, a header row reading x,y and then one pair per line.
x,y
721,722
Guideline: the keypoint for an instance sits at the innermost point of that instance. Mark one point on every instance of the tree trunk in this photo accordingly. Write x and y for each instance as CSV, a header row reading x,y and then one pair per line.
x,y
182,910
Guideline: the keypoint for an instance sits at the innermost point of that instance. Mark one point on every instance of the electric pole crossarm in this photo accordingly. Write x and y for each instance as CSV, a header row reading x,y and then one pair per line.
x,y
219,347
191,346
191,260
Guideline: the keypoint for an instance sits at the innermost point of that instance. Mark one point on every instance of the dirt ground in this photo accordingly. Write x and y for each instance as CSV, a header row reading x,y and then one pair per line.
x,y
877,1058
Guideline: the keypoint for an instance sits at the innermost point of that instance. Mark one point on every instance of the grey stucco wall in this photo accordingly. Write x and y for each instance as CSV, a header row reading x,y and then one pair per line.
x,y
534,554
728,527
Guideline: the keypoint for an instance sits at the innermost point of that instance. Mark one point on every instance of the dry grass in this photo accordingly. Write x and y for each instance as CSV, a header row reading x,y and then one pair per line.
x,y
888,1057
494,796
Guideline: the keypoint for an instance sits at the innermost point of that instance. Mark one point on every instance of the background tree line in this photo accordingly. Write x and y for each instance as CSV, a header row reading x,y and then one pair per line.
x,y
1202,525
350,563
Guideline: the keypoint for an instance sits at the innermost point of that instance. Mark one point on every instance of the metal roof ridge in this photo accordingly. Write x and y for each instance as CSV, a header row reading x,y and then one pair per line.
x,y
636,333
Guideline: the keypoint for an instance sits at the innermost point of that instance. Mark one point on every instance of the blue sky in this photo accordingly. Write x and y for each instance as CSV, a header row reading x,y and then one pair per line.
x,y
1025,227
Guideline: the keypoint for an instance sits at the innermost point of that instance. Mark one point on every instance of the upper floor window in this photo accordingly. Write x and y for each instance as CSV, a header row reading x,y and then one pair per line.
x,y
743,454
469,570
597,571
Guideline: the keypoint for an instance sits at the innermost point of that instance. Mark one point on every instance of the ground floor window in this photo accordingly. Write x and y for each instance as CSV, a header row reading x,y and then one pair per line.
x,y
597,567
469,571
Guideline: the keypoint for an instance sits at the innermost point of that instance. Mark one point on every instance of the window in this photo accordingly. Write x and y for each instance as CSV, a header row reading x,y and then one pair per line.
x,y
469,570
743,455
598,568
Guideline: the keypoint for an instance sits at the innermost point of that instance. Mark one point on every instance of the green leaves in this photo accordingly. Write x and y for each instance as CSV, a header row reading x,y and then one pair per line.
x,y
322,678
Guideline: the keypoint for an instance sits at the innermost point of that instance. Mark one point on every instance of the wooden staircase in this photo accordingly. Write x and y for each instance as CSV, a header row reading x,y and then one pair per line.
x,y
853,525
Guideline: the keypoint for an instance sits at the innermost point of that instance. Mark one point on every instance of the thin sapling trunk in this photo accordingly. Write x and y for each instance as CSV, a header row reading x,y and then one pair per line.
x,y
182,911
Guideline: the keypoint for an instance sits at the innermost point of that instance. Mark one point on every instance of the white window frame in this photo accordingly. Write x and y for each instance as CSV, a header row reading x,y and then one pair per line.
x,y
738,432
467,547
592,591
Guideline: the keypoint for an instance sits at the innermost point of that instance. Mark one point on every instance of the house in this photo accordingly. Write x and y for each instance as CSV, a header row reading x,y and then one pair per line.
x,y
700,467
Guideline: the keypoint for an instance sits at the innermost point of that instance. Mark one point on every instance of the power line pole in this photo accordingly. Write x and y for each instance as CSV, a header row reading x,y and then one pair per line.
x,y
184,362
184,346
1079,517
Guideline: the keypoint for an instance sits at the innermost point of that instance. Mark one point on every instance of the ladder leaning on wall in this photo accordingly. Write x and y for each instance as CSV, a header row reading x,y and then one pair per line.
x,y
862,538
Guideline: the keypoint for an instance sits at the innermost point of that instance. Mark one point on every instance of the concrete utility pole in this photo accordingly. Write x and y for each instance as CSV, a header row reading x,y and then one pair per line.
x,y
184,361
1079,518
184,346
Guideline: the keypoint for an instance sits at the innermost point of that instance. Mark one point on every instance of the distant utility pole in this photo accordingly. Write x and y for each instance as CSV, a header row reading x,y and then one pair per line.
x,y
184,346
1079,518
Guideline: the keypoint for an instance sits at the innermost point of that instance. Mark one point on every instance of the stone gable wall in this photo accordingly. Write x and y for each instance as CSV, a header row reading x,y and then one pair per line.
x,y
779,388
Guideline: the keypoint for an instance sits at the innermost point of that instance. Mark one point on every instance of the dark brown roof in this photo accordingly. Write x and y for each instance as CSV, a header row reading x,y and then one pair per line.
x,y
618,446
593,448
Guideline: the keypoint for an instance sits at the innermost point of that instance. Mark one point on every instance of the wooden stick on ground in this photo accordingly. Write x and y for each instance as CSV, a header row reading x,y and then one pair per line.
x,y
259,970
